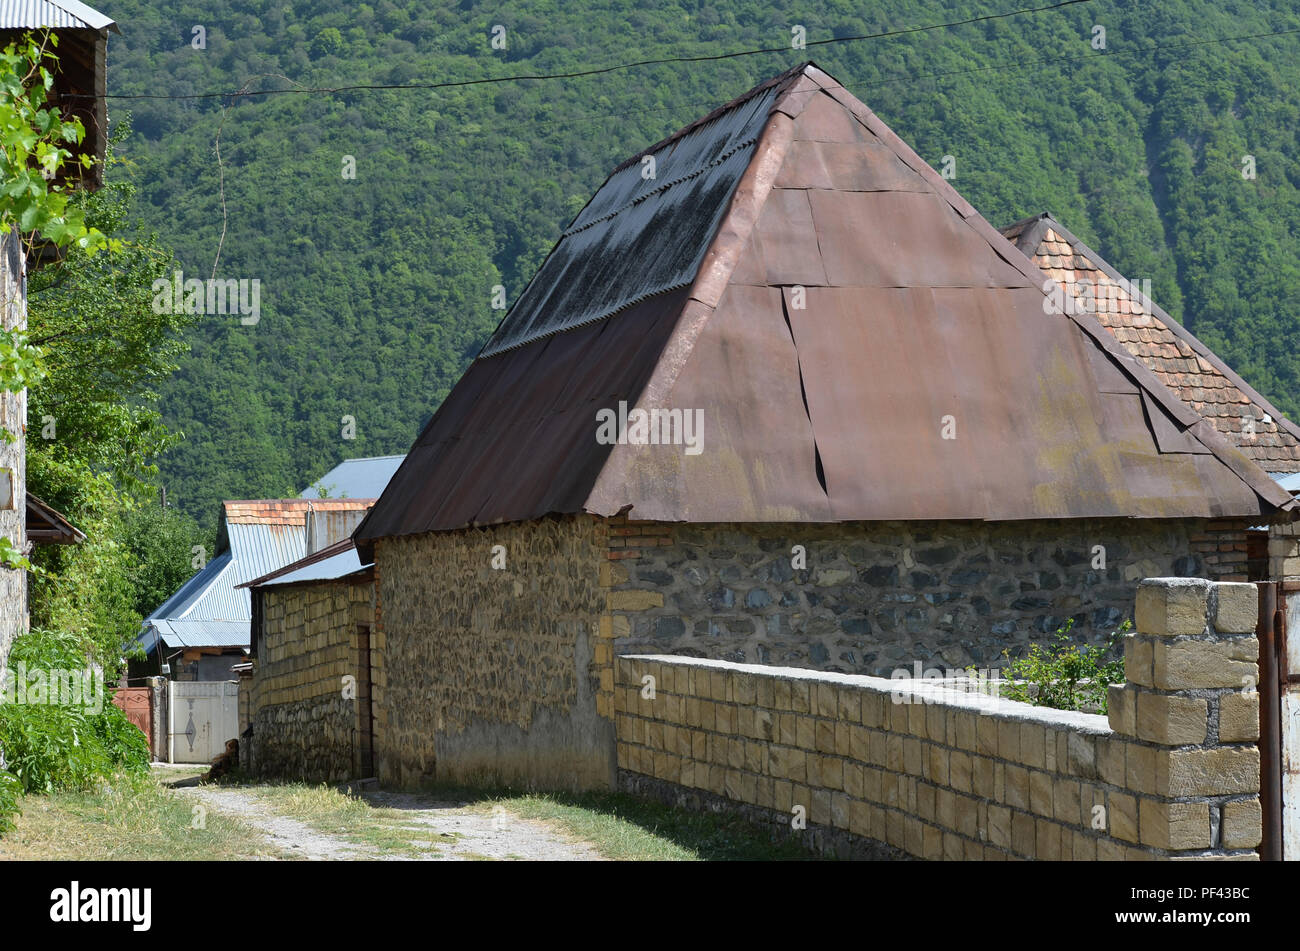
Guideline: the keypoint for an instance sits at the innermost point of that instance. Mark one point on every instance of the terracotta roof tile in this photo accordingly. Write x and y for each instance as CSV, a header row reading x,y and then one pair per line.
x,y
1180,361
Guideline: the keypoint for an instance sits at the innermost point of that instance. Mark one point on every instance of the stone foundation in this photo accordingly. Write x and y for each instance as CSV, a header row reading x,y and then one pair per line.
x,y
310,740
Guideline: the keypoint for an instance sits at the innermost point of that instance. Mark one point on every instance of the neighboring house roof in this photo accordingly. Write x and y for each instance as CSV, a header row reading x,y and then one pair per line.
x,y
47,526
826,300
1194,372
339,560
57,14
355,478
212,608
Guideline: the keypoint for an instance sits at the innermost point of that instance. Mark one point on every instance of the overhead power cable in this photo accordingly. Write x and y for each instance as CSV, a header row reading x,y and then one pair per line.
x,y
452,84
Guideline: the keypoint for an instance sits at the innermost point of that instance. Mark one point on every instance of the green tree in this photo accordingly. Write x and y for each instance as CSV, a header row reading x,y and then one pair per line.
x,y
95,427
34,152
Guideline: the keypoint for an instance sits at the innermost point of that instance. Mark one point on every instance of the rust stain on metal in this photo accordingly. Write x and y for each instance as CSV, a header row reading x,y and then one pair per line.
x,y
847,305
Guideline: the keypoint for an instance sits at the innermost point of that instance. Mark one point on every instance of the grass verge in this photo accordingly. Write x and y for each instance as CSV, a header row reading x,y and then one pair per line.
x,y
628,828
133,818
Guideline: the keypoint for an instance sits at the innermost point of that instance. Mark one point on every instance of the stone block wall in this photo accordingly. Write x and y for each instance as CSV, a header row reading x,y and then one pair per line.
x,y
1192,706
1284,551
940,774
304,726
13,455
492,673
873,597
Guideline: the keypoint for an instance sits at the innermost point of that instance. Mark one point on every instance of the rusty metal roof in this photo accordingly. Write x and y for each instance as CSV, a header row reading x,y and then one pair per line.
x,y
849,305
1188,367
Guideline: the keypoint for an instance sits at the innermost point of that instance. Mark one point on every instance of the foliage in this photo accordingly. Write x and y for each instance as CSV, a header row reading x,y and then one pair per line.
x,y
11,791
34,149
1066,676
160,545
62,746
33,152
96,428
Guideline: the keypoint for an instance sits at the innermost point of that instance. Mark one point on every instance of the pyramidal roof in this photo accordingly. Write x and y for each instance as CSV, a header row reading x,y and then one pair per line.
x,y
1188,367
856,341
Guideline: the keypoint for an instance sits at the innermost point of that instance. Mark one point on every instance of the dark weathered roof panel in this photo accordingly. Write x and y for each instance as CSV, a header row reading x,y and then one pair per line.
x,y
639,236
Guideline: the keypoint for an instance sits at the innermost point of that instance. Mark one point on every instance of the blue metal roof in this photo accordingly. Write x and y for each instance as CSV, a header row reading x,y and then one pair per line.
x,y
209,610
355,478
337,566
1287,480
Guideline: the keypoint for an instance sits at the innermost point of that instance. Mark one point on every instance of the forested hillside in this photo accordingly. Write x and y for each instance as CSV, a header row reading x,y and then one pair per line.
x,y
376,290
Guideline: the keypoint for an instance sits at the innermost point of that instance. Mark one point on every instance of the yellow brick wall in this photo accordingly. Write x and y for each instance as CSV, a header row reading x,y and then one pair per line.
x,y
305,724
942,775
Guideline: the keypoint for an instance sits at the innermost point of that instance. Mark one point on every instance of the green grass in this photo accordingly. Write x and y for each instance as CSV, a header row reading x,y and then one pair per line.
x,y
133,818
139,818
628,828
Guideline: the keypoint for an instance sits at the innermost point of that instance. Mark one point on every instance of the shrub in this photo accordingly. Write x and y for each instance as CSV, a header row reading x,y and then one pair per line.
x,y
10,790
1066,676
61,746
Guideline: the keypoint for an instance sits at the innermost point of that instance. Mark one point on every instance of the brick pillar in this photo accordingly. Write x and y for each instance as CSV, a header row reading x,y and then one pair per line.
x,y
1191,701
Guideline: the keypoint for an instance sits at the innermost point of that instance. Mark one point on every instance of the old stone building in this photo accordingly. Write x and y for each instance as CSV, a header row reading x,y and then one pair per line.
x,y
779,395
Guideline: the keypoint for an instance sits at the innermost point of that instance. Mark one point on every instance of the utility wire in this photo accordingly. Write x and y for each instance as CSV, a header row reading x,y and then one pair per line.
x,y
917,77
243,93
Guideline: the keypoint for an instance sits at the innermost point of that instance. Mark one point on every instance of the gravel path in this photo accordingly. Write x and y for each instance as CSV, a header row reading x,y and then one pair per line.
x,y
471,834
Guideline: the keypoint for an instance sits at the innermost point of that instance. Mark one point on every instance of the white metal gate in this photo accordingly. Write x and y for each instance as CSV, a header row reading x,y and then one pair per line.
x,y
201,718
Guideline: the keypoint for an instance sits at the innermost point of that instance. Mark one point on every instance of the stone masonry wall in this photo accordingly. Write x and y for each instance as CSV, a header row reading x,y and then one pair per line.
x,y
940,774
304,727
492,673
13,418
876,596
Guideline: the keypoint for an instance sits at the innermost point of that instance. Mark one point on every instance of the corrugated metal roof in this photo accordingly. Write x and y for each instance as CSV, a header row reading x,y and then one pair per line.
x,y
848,303
640,236
355,478
1288,480
179,634
256,537
338,565
59,14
